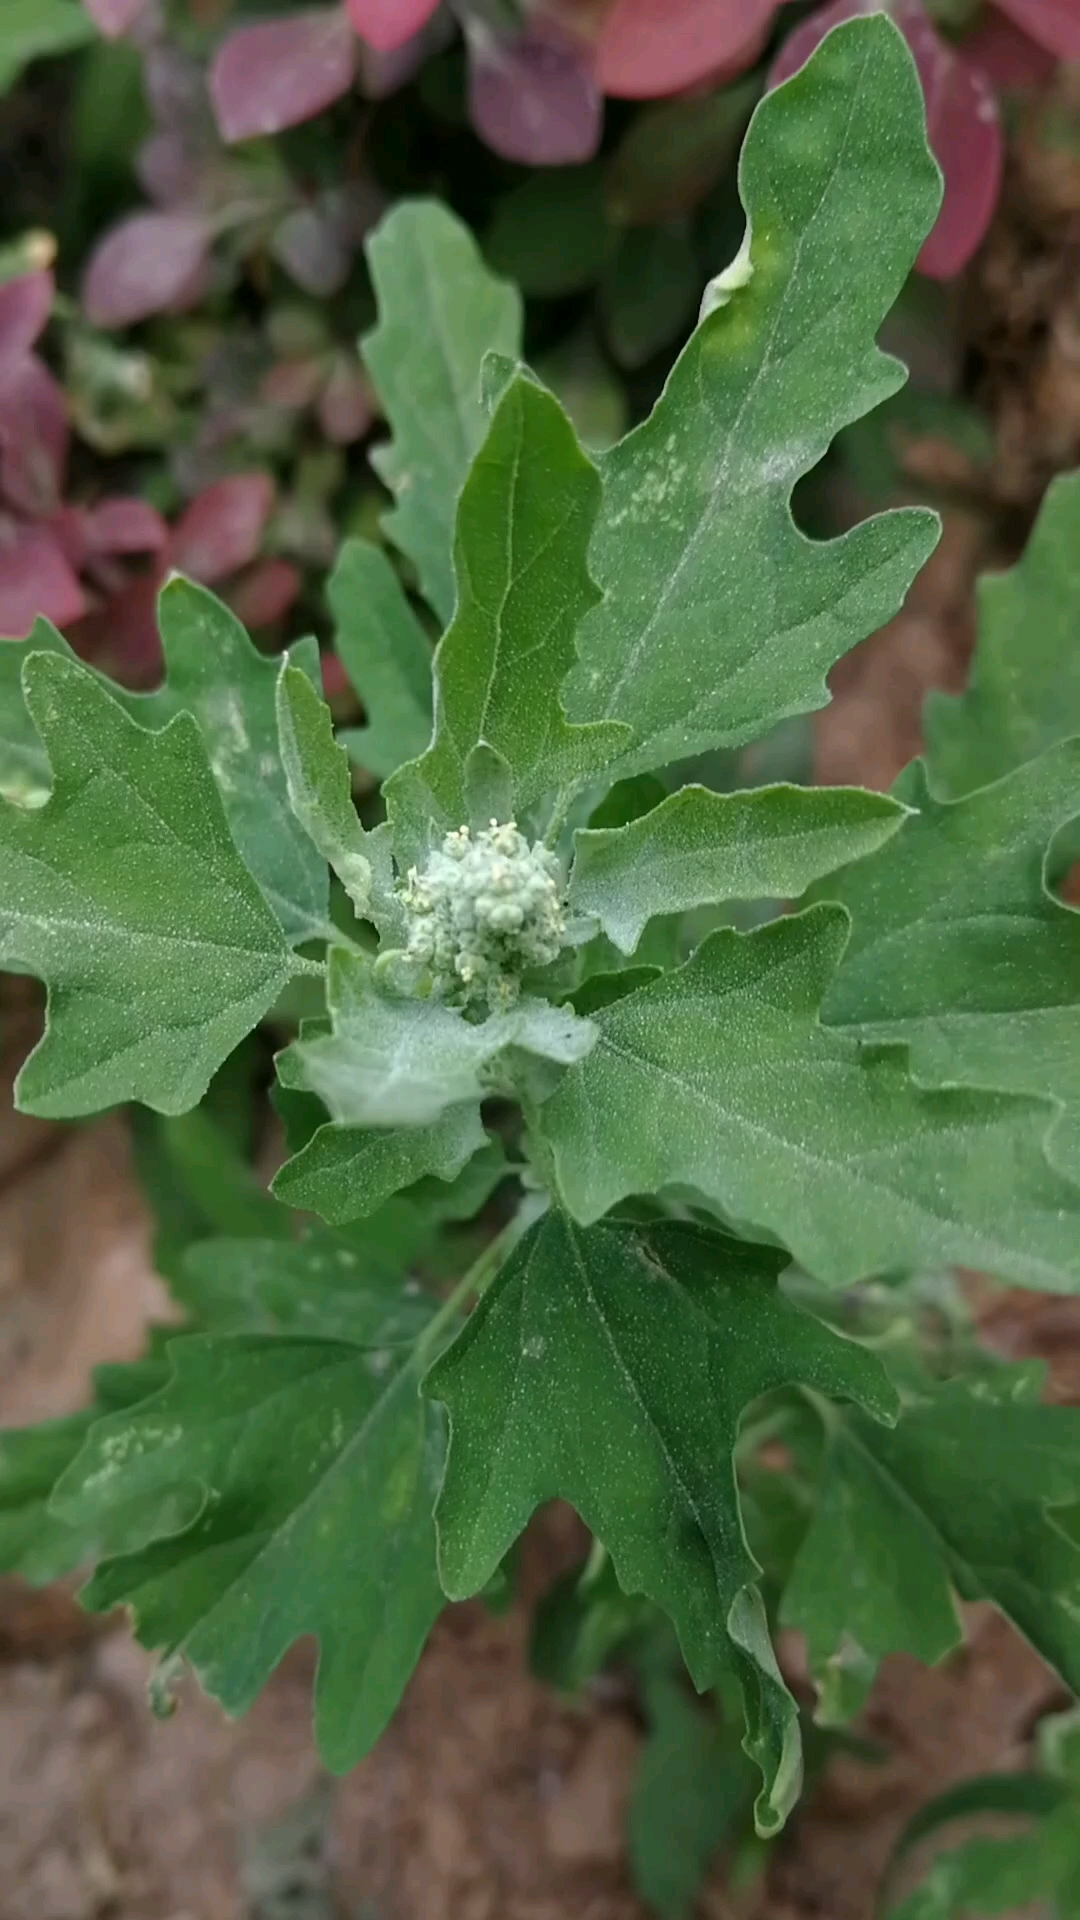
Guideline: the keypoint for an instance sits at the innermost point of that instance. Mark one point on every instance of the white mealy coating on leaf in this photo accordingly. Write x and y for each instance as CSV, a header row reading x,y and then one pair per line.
x,y
484,909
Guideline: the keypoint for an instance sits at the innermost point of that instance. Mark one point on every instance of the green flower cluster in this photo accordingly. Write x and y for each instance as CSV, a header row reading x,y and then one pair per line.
x,y
484,909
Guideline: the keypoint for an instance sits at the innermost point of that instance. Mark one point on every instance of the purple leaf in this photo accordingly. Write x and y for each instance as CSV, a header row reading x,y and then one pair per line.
x,y
168,169
648,48
114,17
33,439
386,24
292,384
281,72
148,263
123,526
1055,24
222,528
25,305
35,578
1008,56
534,98
383,70
963,124
345,408
310,246
265,593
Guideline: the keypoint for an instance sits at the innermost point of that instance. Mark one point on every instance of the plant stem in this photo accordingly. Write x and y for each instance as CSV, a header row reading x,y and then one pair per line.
x,y
477,1280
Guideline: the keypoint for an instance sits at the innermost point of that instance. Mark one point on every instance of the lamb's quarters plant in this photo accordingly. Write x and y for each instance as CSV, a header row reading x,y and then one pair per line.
x,y
556,988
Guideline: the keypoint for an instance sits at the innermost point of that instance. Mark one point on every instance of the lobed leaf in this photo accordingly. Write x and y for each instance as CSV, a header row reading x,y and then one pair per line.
x,y
440,312
396,1062
720,1077
303,1471
719,617
25,775
610,1367
326,1286
961,1496
215,673
699,847
523,527
345,1172
959,950
126,894
1024,693
33,1543
387,656
319,784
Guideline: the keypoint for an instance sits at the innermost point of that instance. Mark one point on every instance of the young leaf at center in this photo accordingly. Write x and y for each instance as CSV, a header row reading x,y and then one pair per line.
x,y
523,528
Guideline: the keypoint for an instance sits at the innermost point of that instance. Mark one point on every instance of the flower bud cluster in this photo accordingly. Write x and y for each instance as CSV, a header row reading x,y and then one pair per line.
x,y
484,909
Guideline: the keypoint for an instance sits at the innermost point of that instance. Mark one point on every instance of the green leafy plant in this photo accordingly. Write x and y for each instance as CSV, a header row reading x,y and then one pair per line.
x,y
553,993
1038,1860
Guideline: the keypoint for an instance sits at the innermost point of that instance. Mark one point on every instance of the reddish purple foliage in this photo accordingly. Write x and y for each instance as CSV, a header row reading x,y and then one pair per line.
x,y
387,24
281,72
222,529
1007,56
651,47
115,17
150,262
1054,24
35,578
533,97
45,545
264,594
25,305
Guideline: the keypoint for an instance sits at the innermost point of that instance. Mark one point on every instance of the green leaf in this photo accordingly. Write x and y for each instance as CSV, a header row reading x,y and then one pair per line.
x,y
523,529
582,1622
387,656
32,1459
611,1368
719,617
32,29
126,894
690,1793
1025,686
319,784
699,848
198,1183
396,1062
33,1543
551,233
986,1877
215,673
675,151
25,775
959,950
440,312
869,1579
960,1495
307,1470
650,291
720,1076
345,1173
327,1286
